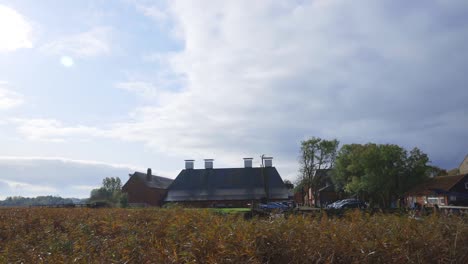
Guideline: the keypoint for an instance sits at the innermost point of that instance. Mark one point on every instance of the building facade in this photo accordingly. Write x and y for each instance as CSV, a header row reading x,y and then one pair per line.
x,y
227,187
441,190
146,189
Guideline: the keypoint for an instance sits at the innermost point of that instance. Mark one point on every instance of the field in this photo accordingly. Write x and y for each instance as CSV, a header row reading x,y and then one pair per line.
x,y
48,235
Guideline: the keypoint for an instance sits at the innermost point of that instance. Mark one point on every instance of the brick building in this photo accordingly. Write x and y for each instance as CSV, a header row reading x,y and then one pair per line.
x,y
440,190
146,189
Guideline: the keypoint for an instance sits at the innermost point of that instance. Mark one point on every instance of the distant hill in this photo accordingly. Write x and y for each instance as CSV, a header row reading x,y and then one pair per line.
x,y
40,200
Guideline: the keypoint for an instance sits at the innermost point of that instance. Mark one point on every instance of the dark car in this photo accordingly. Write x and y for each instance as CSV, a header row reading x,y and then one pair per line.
x,y
274,206
351,204
336,204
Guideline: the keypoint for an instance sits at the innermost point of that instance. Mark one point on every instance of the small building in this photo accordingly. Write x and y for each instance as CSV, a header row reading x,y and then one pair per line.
x,y
441,190
326,193
227,187
146,189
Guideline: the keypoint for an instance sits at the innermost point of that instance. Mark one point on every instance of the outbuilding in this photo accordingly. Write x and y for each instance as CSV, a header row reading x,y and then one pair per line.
x,y
146,189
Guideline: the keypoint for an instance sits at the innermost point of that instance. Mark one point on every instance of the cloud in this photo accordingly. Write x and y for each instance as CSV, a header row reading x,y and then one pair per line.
x,y
53,130
92,43
153,11
33,176
31,189
143,89
9,98
264,77
15,30
254,78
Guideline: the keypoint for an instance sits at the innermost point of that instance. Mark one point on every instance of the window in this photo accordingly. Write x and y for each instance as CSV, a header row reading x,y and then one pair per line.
x,y
436,200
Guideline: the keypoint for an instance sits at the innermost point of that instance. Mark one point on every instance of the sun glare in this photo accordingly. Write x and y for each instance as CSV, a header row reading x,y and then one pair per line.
x,y
66,61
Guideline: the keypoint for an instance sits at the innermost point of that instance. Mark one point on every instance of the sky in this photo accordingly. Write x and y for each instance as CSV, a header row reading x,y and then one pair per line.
x,y
94,89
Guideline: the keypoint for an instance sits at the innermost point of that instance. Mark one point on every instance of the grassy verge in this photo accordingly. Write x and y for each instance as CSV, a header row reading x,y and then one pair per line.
x,y
231,210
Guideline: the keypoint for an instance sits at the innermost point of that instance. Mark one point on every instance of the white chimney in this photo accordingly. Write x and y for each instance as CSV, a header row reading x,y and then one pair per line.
x,y
189,164
209,163
248,162
268,161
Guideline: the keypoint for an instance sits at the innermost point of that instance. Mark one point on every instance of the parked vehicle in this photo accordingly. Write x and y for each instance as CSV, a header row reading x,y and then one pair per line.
x,y
351,204
274,206
339,202
347,203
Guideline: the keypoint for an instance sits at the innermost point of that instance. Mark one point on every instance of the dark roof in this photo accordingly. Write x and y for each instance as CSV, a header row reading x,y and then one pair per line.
x,y
444,183
155,182
226,184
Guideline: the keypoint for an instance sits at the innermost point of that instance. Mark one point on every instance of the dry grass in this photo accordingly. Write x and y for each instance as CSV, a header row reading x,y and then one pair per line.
x,y
177,235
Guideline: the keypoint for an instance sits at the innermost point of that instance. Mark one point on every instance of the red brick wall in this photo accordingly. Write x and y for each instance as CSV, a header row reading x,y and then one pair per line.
x,y
137,192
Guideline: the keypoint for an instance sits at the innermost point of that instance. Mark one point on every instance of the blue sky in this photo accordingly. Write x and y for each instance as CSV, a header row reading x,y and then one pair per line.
x,y
91,89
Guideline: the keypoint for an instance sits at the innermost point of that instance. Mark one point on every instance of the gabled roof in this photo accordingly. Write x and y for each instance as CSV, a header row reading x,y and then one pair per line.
x,y
226,184
444,183
461,163
155,182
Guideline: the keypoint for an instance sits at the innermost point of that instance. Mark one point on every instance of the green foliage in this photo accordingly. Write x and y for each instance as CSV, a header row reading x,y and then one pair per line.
x,y
202,236
379,173
316,154
110,192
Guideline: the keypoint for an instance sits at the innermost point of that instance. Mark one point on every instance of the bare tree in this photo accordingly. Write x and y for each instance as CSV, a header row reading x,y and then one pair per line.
x,y
316,154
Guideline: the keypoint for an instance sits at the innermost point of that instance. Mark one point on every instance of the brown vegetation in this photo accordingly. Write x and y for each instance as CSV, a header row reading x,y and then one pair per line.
x,y
38,235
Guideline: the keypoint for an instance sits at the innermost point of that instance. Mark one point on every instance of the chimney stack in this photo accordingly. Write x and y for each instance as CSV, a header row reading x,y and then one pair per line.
x,y
248,162
148,174
189,164
268,161
209,163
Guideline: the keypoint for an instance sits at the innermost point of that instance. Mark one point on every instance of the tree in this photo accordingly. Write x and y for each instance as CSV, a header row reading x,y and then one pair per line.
x,y
110,192
112,184
379,173
316,154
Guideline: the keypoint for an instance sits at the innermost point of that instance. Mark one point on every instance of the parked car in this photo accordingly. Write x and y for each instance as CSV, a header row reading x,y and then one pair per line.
x,y
351,204
347,203
339,202
274,206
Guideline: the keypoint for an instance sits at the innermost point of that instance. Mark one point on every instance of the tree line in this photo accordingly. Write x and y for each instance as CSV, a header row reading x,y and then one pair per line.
x,y
377,173
36,201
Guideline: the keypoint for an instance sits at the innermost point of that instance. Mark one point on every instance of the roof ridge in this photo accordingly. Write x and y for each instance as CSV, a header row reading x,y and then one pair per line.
x,y
463,160
462,176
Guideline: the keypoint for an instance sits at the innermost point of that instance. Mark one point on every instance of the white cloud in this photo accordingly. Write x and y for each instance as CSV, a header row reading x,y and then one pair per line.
x,y
144,89
92,43
9,98
32,189
15,31
257,77
53,130
153,11
262,76
33,176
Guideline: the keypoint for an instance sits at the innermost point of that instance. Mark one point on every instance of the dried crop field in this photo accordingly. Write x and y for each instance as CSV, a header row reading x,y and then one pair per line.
x,y
47,235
